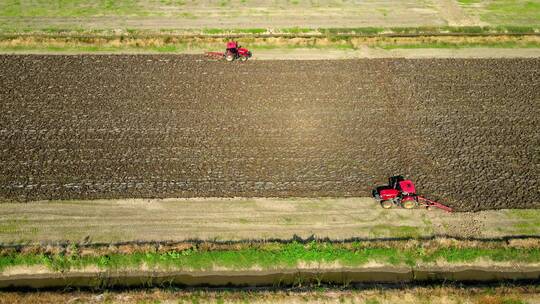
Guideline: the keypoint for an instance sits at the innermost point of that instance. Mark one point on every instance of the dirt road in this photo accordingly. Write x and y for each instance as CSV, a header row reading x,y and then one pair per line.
x,y
241,219
330,54
182,126
454,15
367,52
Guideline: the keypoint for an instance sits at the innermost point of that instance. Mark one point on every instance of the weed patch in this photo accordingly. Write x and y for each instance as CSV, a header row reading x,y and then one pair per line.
x,y
277,256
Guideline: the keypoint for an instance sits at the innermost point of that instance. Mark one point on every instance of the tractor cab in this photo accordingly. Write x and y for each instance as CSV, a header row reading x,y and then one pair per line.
x,y
232,46
394,181
404,186
407,187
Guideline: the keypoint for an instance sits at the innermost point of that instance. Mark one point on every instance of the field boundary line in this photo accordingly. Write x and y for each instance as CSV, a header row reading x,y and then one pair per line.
x,y
281,35
295,239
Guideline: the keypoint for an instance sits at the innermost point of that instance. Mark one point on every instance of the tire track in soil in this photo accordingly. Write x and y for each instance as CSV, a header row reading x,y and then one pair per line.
x,y
92,126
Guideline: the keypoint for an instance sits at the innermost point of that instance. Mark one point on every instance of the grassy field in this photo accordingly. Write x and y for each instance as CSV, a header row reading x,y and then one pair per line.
x,y
179,44
269,256
497,294
517,12
157,26
87,8
158,14
106,221
495,12
258,15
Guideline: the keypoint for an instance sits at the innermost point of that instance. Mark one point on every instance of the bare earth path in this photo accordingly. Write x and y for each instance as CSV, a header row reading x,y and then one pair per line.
x,y
453,14
333,54
241,219
316,54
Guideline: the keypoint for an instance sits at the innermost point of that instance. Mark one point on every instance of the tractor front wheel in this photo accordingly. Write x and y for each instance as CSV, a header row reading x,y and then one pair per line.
x,y
244,58
387,204
408,204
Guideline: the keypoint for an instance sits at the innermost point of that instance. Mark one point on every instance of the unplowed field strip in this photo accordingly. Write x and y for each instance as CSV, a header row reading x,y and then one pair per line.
x,y
129,220
125,126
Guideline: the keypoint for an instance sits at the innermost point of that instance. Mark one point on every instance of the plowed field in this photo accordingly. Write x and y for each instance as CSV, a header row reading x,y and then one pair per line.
x,y
182,126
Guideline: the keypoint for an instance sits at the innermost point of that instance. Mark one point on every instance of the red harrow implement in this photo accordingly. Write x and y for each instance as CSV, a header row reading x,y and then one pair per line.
x,y
232,52
401,192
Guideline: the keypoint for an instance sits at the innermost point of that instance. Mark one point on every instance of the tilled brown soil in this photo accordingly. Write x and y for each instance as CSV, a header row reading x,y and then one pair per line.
x,y
166,126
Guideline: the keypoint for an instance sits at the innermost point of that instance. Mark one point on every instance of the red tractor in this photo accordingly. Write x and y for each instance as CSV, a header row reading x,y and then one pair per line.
x,y
402,193
233,51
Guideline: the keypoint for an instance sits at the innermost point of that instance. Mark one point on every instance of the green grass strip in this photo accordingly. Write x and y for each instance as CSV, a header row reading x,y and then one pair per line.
x,y
273,256
8,28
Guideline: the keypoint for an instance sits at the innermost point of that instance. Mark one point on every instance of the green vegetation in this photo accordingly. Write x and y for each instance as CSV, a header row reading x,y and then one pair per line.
x,y
71,8
87,8
219,31
15,226
185,46
360,30
398,231
214,31
504,293
224,2
52,39
527,221
367,31
504,12
460,45
172,48
508,10
272,256
297,30
529,214
33,15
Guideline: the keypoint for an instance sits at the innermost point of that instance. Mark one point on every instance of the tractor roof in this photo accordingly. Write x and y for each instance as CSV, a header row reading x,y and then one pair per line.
x,y
407,186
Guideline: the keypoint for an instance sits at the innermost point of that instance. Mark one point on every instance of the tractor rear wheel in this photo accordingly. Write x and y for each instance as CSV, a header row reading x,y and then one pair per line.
x,y
408,204
229,56
387,204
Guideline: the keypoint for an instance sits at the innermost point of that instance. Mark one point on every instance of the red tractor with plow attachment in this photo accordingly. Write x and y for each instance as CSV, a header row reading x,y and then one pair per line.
x,y
232,52
401,192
